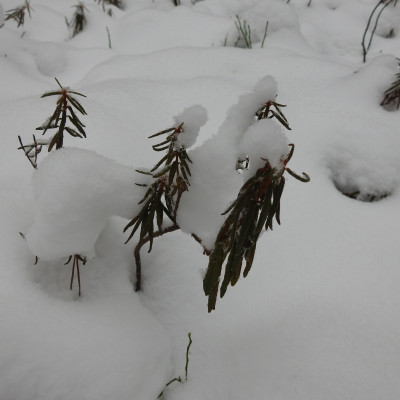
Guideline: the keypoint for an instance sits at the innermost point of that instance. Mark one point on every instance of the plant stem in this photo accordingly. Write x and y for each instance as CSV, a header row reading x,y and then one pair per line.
x,y
187,356
138,284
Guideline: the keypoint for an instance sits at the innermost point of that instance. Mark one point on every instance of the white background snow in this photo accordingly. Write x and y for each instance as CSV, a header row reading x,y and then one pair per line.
x,y
318,315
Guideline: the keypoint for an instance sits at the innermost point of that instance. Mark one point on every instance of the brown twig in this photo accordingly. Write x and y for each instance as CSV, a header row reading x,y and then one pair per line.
x,y
138,284
75,264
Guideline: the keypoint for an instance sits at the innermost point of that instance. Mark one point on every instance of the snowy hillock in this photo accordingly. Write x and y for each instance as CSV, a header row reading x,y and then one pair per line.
x,y
317,315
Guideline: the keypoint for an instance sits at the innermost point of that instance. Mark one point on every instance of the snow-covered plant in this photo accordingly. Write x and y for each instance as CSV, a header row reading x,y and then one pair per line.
x,y
62,115
391,99
169,180
78,20
376,13
18,13
256,205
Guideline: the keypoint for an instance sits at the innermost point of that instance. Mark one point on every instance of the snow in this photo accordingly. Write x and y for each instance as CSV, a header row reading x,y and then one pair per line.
x,y
193,118
263,141
317,315
92,189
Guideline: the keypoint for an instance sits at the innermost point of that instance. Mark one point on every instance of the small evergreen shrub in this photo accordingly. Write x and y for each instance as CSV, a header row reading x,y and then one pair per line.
x,y
78,20
18,13
59,120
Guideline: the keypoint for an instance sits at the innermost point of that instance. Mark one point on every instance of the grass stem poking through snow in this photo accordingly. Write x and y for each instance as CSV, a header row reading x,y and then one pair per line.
x,y
256,205
265,34
382,4
179,379
244,31
109,38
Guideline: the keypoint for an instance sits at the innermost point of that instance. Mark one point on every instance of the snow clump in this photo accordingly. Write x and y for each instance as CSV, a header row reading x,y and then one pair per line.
x,y
265,140
193,118
76,192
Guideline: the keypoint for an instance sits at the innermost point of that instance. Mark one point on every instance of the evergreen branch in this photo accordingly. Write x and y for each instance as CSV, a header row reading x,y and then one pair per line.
x,y
58,120
18,13
78,21
392,95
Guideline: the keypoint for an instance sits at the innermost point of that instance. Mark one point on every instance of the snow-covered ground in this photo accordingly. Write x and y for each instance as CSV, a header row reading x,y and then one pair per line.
x,y
318,315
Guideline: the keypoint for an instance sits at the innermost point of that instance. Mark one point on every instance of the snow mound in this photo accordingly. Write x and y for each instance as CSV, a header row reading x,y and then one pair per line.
x,y
50,59
76,192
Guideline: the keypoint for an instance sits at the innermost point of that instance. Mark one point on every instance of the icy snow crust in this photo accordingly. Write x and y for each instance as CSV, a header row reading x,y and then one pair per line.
x,y
317,317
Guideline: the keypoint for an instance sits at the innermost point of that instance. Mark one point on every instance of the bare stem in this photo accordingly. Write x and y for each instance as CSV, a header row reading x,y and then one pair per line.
x,y
138,284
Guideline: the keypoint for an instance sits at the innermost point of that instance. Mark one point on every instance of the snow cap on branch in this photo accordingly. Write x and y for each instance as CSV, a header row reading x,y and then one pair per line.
x,y
194,118
264,140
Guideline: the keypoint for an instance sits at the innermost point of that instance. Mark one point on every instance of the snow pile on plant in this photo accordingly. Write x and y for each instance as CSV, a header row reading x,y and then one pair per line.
x,y
263,141
193,118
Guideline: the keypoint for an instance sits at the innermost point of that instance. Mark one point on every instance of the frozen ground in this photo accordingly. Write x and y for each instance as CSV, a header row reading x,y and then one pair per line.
x,y
318,315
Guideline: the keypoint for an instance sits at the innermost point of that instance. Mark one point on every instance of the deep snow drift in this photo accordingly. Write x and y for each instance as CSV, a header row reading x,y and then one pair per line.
x,y
317,315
